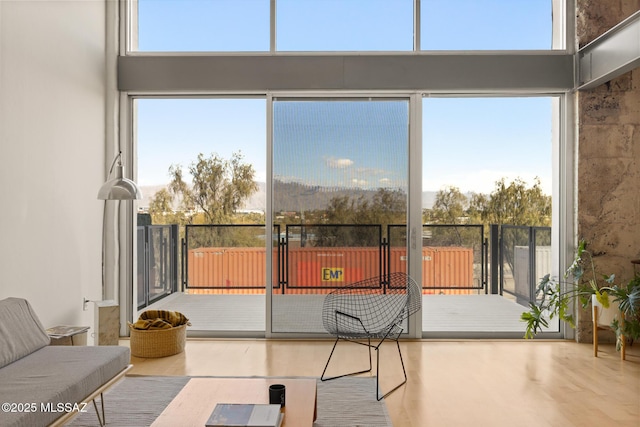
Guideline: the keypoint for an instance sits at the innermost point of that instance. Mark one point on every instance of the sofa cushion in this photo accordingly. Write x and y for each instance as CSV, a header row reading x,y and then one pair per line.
x,y
21,333
57,376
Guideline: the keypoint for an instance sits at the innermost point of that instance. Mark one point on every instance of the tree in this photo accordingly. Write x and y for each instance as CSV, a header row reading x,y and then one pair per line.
x,y
161,202
515,204
384,207
450,206
162,212
218,190
342,210
512,203
219,187
387,207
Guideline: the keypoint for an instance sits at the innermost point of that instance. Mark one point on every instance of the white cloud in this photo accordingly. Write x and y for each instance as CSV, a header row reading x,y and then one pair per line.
x,y
385,181
334,163
359,182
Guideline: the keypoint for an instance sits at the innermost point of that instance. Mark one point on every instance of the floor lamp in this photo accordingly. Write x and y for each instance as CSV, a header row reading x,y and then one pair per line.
x,y
107,318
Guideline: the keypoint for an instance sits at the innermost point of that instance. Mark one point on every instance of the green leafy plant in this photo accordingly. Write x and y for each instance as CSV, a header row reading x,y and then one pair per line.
x,y
629,299
555,298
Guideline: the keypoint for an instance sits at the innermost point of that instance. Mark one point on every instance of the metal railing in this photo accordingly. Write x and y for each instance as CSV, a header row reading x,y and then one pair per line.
x,y
525,257
325,256
157,259
316,258
459,262
228,256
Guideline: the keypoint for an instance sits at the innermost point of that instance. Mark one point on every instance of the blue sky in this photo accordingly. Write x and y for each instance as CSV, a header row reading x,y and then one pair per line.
x,y
243,25
470,143
175,131
358,143
467,142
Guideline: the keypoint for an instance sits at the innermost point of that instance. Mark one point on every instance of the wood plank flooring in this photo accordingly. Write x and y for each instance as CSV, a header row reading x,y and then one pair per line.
x,y
451,383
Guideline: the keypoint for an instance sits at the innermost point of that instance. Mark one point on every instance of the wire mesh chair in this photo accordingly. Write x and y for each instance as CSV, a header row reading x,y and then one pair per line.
x,y
371,309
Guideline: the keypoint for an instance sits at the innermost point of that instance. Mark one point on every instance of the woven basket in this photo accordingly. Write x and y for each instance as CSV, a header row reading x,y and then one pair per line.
x,y
158,342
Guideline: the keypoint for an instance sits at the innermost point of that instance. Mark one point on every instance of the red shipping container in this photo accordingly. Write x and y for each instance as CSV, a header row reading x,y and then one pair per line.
x,y
235,268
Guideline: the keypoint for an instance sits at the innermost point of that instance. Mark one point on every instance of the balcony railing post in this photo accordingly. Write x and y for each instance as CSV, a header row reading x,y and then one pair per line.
x,y
532,264
284,249
494,259
174,257
146,266
183,266
384,258
485,265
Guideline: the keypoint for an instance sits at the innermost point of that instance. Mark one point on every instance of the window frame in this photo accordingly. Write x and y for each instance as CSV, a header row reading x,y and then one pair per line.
x,y
562,34
388,83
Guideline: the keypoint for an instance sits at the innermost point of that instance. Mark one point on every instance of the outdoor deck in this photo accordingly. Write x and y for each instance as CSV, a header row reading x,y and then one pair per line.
x,y
443,316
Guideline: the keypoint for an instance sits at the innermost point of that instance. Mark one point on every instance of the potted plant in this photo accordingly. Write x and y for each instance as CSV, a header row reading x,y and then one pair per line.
x,y
588,287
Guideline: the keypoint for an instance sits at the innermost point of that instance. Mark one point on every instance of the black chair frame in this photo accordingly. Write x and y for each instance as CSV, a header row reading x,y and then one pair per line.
x,y
368,313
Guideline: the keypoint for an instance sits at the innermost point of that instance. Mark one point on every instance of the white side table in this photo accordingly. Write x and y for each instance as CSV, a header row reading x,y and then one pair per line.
x,y
68,335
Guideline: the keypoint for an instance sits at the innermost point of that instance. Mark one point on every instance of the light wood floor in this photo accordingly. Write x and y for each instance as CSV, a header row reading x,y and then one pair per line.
x,y
451,383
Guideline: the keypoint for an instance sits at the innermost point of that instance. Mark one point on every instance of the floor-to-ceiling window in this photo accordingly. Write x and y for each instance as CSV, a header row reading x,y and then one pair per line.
x,y
202,168
309,200
487,180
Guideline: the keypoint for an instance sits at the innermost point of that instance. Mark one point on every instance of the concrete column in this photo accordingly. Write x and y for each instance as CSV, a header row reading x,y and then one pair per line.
x,y
608,214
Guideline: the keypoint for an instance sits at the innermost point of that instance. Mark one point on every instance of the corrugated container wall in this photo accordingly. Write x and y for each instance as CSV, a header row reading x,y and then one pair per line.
x,y
448,268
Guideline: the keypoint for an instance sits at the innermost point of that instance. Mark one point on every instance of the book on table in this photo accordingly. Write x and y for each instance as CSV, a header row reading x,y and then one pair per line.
x,y
245,415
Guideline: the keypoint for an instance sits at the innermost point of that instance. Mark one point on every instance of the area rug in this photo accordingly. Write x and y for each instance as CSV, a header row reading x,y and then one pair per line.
x,y
137,401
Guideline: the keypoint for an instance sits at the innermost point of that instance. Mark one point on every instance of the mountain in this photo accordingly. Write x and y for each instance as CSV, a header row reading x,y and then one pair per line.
x,y
291,196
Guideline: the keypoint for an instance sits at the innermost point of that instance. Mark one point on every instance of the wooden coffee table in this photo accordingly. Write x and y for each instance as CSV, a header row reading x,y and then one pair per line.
x,y
195,402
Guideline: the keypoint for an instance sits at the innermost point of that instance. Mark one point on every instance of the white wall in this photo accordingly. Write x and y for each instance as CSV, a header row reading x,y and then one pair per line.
x,y
52,139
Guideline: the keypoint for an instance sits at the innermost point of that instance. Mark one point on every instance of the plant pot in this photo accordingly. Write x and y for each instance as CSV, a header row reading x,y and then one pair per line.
x,y
607,315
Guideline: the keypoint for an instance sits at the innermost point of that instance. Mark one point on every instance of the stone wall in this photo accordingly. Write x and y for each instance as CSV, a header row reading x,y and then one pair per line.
x,y
608,156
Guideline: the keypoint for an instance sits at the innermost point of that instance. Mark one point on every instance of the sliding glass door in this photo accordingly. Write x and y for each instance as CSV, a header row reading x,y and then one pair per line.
x,y
327,202
340,180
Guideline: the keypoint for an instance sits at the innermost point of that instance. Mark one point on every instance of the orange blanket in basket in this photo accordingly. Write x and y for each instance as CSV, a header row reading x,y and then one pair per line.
x,y
160,319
